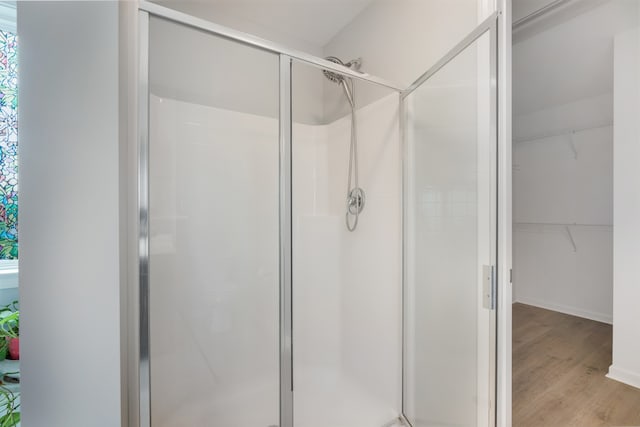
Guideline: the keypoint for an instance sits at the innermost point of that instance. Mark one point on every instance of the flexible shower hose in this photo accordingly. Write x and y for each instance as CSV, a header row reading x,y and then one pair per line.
x,y
353,193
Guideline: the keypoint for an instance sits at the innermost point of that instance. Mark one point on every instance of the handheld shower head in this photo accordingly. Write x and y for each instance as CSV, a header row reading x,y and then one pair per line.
x,y
340,79
354,64
334,77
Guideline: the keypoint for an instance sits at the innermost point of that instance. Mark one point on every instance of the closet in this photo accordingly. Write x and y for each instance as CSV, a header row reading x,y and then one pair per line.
x,y
568,114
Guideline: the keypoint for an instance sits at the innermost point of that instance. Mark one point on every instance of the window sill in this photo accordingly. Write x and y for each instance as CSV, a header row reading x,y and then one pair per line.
x,y
9,283
8,274
8,278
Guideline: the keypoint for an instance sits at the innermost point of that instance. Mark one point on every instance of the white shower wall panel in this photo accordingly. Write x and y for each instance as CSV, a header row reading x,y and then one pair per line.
x,y
316,252
371,258
214,280
347,286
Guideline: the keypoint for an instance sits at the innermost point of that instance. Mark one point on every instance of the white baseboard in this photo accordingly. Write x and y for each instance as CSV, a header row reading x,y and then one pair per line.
x,y
574,311
624,376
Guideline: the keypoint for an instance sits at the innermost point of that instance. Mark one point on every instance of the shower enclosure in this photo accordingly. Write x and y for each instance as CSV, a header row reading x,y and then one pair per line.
x,y
258,305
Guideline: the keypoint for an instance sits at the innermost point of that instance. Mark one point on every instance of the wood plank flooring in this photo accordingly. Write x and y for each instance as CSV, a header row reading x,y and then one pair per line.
x,y
559,367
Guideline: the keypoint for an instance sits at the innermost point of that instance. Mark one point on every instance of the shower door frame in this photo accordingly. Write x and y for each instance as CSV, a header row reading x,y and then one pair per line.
x,y
488,26
138,403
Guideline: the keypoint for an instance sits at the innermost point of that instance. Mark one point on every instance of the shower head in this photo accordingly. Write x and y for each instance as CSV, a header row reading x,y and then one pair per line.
x,y
334,77
340,79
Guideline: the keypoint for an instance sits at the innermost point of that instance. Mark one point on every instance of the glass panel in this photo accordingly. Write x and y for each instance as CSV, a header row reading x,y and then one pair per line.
x,y
214,264
346,285
449,237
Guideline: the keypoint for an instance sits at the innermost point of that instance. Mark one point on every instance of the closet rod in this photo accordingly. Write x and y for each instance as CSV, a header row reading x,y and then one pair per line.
x,y
561,133
563,224
571,239
566,228
540,12
557,6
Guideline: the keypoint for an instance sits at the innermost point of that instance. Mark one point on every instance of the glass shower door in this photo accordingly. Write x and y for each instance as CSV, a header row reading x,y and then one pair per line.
x,y
450,238
213,230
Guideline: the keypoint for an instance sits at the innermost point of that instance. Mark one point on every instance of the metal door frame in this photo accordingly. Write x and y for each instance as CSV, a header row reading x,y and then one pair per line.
x,y
489,25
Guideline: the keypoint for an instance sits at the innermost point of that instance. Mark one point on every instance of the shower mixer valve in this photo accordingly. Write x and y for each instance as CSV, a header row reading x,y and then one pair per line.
x,y
355,201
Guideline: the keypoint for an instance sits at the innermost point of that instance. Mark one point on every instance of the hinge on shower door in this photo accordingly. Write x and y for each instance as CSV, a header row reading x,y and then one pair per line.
x,y
488,287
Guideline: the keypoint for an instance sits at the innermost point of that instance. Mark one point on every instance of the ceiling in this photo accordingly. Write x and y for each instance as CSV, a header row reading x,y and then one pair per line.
x,y
311,22
559,61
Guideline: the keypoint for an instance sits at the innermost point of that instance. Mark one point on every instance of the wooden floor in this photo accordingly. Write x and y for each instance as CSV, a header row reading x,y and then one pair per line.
x,y
559,367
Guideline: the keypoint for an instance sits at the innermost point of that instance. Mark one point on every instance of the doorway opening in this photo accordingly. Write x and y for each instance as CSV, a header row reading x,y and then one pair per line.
x,y
568,121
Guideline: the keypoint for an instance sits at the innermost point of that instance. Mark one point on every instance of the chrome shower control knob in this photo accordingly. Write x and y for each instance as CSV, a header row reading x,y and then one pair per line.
x,y
355,201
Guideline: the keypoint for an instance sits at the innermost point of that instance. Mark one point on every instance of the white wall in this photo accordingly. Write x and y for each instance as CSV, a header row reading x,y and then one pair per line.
x,y
249,17
212,71
217,72
398,40
555,186
69,210
568,58
626,328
